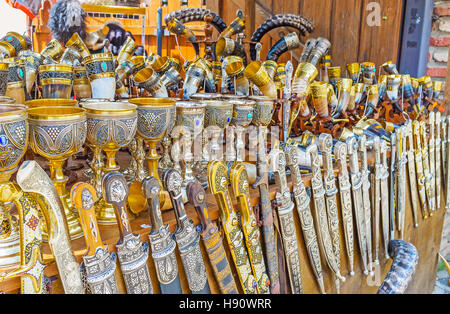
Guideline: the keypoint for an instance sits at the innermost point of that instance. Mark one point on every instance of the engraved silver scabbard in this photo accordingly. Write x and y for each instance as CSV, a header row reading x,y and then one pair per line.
x,y
99,269
419,168
277,164
356,179
444,133
438,160
385,195
302,201
432,156
326,146
187,236
366,197
401,183
132,252
376,198
393,180
321,215
161,242
412,173
340,153
429,187
447,178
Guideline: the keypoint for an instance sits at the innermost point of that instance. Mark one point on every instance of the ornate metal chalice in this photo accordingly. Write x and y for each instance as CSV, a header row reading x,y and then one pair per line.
x,y
243,111
156,118
110,126
56,133
100,70
11,44
13,144
56,80
15,87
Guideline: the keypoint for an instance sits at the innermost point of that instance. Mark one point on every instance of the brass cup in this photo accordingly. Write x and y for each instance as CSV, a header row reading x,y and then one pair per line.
x,y
243,110
319,93
256,73
16,85
263,110
56,80
32,62
56,133
81,85
75,42
13,144
12,44
100,70
234,66
334,73
110,126
51,102
53,50
156,118
161,64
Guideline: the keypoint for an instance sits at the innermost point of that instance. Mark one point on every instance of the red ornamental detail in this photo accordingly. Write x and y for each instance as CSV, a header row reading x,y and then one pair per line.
x,y
33,222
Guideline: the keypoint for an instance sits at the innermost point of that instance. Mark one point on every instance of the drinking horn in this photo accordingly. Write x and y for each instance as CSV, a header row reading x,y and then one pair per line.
x,y
300,23
196,14
178,28
288,42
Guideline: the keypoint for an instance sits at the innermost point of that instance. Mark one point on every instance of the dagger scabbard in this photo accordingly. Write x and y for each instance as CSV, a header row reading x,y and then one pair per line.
x,y
161,242
32,178
447,178
31,268
323,233
218,183
211,239
432,156
356,179
340,153
277,164
98,264
329,180
401,198
429,187
132,252
267,218
240,186
412,174
437,148
393,186
302,201
419,168
444,132
384,192
186,236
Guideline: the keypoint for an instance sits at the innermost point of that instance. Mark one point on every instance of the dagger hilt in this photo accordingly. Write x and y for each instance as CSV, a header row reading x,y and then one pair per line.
x,y
197,197
340,153
172,182
376,148
363,149
115,191
352,150
326,146
151,189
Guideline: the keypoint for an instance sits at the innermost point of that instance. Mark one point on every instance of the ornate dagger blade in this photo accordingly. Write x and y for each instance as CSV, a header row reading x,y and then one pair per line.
x,y
376,179
268,231
438,160
412,173
429,187
132,252
432,156
31,269
32,178
211,239
419,168
356,179
187,236
302,201
286,96
239,184
366,197
277,164
384,190
326,146
98,264
393,185
320,208
163,246
218,183
340,153
401,183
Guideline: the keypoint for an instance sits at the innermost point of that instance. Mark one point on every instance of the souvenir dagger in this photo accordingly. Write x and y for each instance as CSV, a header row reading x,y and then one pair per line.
x,y
376,197
412,172
393,185
384,194
186,236
211,239
444,122
438,159
132,252
32,178
163,246
356,179
266,215
277,164
401,179
218,183
432,155
323,233
340,153
239,184
447,177
421,179
31,268
98,264
325,146
429,187
286,103
302,201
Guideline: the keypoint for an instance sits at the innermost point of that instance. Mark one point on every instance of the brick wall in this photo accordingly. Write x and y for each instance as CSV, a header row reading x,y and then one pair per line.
x,y
439,41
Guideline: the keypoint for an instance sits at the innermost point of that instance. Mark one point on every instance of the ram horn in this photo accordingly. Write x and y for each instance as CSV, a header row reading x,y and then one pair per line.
x,y
234,69
196,14
151,82
287,43
228,47
257,74
178,28
195,75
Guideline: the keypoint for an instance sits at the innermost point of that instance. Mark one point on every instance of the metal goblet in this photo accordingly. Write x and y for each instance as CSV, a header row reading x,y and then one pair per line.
x,y
56,133
110,126
262,116
243,110
13,144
